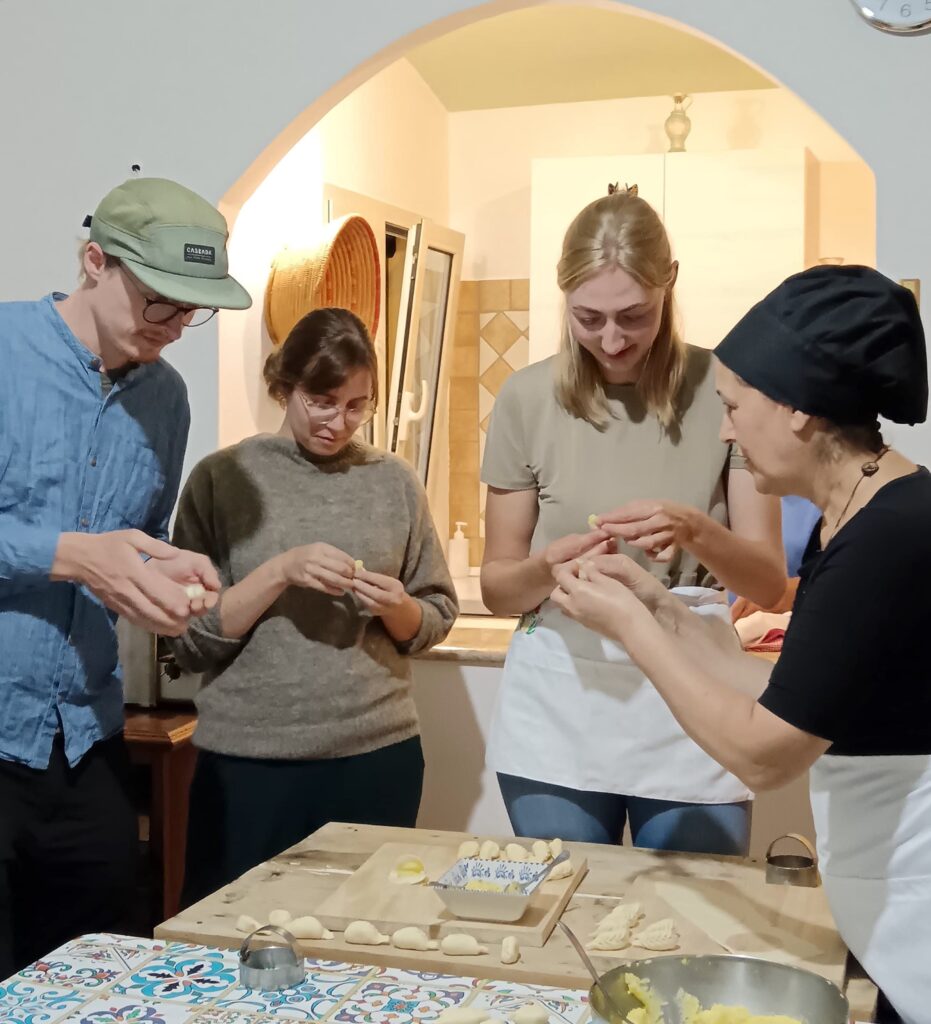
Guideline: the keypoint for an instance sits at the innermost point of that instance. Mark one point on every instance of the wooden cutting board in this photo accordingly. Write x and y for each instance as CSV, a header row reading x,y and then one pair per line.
x,y
368,895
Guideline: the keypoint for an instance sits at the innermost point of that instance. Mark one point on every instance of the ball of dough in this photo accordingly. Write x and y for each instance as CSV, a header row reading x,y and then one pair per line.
x,y
308,928
514,851
412,938
280,918
616,937
541,851
359,565
555,848
659,936
194,590
489,850
530,1013
460,944
563,870
510,950
593,521
363,933
244,923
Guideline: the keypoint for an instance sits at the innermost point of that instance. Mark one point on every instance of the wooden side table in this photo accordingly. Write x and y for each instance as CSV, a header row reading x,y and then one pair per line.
x,y
161,739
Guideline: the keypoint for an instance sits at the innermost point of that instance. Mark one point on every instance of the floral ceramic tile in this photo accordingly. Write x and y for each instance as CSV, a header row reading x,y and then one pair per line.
x,y
108,938
88,965
400,974
218,1016
30,1002
189,974
313,1000
115,1009
400,1002
339,967
502,998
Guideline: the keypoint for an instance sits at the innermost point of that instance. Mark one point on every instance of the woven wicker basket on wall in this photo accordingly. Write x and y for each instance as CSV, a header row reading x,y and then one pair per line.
x,y
341,270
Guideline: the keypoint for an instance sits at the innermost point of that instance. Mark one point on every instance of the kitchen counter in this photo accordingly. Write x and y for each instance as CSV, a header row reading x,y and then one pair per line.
x,y
302,877
475,640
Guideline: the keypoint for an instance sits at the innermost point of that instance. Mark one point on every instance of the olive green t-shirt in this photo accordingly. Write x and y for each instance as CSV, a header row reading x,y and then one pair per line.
x,y
578,469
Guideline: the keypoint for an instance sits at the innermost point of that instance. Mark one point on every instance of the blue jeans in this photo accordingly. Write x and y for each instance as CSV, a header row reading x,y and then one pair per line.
x,y
540,811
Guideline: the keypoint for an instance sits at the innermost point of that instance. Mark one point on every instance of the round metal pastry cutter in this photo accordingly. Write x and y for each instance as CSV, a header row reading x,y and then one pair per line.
x,y
792,868
271,968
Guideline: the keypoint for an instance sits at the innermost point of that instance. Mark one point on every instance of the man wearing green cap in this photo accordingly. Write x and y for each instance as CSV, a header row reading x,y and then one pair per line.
x,y
96,426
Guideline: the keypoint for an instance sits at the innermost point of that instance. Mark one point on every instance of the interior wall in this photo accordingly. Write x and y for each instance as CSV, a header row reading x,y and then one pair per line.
x,y
387,140
491,152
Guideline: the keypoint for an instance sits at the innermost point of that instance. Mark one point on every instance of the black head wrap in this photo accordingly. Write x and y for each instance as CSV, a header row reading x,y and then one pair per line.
x,y
845,343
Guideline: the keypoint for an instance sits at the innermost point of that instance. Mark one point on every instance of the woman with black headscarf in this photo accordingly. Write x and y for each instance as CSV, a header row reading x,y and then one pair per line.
x,y
804,377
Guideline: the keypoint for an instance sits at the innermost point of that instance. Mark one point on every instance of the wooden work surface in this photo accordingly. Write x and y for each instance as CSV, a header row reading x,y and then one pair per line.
x,y
300,879
365,895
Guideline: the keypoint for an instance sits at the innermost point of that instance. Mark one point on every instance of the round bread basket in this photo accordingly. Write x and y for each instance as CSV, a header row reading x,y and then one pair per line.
x,y
342,270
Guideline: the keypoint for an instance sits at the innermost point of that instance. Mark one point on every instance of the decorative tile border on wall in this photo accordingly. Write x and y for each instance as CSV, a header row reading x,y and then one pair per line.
x,y
491,343
176,983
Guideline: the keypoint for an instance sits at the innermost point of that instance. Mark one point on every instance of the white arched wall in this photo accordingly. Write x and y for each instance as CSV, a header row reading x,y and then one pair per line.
x,y
199,92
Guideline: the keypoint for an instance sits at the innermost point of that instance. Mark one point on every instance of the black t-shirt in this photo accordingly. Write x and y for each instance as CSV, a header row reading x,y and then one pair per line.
x,y
855,666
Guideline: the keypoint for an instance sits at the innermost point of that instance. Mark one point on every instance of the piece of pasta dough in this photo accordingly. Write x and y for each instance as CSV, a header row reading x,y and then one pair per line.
x,y
510,950
530,1013
616,937
555,848
627,914
563,870
279,917
460,944
514,851
468,850
489,850
412,938
541,851
193,590
308,927
245,923
659,936
364,933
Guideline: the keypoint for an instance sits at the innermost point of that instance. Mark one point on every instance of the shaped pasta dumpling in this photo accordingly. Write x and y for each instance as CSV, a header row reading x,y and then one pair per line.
x,y
616,937
460,944
468,850
364,933
279,917
661,935
412,938
530,1013
514,851
408,870
245,923
308,927
540,851
489,850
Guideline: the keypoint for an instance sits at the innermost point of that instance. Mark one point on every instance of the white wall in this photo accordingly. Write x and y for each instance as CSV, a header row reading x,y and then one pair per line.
x,y
91,88
387,140
491,153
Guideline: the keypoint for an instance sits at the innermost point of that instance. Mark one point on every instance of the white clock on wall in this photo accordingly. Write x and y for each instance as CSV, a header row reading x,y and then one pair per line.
x,y
901,17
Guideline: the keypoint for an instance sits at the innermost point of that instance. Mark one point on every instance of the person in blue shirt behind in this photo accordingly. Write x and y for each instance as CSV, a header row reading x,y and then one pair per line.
x,y
93,428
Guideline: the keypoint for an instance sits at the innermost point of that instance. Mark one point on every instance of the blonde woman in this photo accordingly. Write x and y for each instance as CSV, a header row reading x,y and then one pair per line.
x,y
613,445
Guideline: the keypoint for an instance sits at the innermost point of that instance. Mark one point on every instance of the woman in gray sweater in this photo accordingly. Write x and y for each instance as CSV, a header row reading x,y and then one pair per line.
x,y
333,577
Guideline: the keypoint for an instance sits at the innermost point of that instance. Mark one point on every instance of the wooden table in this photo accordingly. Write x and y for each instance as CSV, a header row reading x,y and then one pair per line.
x,y
161,739
300,878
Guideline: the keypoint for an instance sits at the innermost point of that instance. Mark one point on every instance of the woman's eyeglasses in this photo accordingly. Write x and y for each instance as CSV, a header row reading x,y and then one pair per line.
x,y
322,410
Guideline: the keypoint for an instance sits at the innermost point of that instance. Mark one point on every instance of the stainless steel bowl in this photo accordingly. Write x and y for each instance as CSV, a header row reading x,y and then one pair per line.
x,y
760,985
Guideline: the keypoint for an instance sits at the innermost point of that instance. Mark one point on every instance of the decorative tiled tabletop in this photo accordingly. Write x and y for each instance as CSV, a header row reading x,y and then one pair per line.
x,y
114,979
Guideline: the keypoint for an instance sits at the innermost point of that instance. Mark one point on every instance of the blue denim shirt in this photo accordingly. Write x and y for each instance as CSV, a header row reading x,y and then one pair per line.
x,y
71,459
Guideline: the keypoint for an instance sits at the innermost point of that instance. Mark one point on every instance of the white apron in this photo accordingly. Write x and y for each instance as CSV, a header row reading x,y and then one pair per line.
x,y
573,710
873,823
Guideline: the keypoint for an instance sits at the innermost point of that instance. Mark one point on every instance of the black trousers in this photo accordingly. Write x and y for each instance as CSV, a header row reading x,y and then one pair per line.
x,y
68,851
245,810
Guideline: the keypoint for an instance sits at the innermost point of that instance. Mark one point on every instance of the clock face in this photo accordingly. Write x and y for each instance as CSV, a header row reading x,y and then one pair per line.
x,y
903,17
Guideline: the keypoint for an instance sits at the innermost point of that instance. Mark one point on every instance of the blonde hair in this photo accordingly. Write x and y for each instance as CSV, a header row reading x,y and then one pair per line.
x,y
620,230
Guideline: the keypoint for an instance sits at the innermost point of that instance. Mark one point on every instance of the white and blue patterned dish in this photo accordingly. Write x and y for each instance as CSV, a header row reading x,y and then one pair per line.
x,y
477,905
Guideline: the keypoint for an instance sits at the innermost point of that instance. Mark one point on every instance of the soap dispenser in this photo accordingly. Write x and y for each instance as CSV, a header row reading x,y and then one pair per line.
x,y
459,553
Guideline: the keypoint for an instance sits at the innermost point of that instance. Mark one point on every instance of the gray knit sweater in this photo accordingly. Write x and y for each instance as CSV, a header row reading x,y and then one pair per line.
x,y
317,676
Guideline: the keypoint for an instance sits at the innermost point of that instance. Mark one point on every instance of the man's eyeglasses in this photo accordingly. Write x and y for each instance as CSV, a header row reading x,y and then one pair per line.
x,y
322,410
160,311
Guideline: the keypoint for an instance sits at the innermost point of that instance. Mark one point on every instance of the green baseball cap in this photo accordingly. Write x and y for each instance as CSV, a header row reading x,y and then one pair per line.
x,y
171,239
